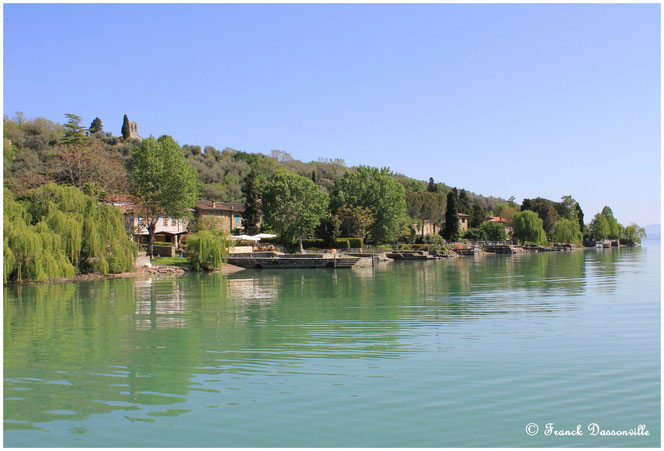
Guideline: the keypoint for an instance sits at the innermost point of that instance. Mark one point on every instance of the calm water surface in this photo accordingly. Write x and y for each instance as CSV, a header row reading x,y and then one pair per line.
x,y
461,352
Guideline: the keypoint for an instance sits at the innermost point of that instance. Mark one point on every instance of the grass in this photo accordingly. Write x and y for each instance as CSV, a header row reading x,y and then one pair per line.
x,y
171,261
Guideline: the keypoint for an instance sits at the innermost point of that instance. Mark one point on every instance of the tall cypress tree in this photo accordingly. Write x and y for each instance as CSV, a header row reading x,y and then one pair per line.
x,y
252,208
313,176
126,131
451,229
431,187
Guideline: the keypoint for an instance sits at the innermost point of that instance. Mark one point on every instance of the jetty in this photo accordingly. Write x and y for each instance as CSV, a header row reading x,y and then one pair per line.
x,y
276,260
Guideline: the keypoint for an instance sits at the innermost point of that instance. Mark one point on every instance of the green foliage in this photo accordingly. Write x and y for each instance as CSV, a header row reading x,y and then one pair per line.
x,y
599,227
313,243
434,239
477,215
493,231
431,187
506,210
376,190
293,206
567,231
126,130
355,221
451,228
633,234
465,203
95,126
162,183
356,243
252,208
425,206
605,225
528,227
474,234
329,230
74,131
545,209
207,249
318,243
55,231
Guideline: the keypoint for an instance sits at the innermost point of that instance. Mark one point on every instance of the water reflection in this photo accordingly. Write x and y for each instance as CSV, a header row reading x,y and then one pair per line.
x,y
143,347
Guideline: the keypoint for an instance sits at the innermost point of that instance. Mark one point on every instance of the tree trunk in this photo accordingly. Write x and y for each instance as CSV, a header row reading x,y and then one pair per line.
x,y
151,229
301,247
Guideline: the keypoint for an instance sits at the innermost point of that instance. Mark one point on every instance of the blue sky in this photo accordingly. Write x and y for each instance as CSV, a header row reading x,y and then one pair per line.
x,y
504,100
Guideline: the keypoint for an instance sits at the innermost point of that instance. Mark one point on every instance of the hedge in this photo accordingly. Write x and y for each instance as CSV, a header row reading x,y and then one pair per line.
x,y
317,243
356,243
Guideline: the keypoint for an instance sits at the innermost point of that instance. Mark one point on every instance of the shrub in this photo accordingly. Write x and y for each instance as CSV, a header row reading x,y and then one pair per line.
x,y
474,234
207,249
356,243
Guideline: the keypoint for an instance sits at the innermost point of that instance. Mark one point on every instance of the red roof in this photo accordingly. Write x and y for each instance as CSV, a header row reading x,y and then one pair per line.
x,y
498,219
210,205
464,215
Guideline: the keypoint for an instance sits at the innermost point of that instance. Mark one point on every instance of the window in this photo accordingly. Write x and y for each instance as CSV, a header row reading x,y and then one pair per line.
x,y
237,217
165,222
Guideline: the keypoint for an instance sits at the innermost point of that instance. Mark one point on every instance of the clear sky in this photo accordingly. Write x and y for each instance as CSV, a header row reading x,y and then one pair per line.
x,y
504,100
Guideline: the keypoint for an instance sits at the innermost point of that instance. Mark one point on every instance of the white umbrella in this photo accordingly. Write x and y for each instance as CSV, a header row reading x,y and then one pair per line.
x,y
245,237
265,235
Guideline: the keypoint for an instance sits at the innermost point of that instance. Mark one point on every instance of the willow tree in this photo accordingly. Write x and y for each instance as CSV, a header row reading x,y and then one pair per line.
x,y
161,182
528,227
56,231
207,249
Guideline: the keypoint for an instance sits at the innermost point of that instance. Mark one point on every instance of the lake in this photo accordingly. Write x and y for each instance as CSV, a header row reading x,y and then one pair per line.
x,y
460,352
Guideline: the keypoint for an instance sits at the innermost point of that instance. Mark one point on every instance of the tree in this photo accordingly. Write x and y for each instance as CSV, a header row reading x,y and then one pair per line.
x,y
74,131
451,228
493,231
313,176
355,221
95,126
377,190
545,209
329,230
614,227
293,206
633,234
464,204
477,215
506,209
567,231
599,227
87,163
431,187
252,208
162,183
528,227
126,131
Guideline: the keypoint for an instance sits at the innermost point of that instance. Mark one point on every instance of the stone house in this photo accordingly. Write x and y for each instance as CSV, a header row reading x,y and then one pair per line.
x,y
167,230
226,215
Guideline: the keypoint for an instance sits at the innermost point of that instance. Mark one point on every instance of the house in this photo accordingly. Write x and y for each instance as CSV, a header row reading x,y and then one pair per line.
x,y
463,222
506,222
167,230
227,215
429,228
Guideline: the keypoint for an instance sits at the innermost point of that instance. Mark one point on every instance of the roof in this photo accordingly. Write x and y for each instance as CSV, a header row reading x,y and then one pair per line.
x,y
463,215
219,206
498,219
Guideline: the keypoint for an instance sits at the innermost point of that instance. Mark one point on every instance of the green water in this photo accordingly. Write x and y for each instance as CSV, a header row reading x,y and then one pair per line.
x,y
460,352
